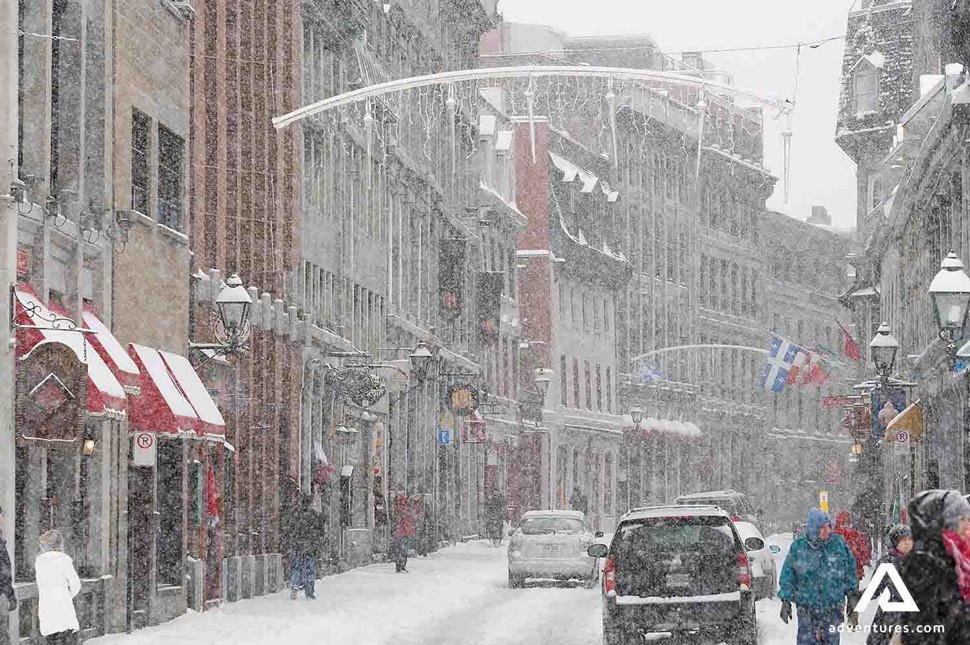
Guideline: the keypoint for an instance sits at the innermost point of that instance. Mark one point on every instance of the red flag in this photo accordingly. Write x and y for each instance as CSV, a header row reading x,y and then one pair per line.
x,y
814,372
852,351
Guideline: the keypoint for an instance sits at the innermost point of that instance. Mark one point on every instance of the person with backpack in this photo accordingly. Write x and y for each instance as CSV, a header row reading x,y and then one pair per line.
x,y
818,577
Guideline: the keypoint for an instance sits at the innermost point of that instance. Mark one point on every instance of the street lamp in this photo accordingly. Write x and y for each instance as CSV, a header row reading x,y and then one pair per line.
x,y
884,347
636,413
234,303
421,359
543,376
856,452
950,291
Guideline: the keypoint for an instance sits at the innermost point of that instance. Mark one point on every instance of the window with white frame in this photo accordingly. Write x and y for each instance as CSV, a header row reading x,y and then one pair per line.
x,y
865,88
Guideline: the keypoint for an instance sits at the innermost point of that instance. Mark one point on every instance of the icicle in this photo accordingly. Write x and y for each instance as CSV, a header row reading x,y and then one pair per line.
x,y
786,135
368,135
611,101
701,114
450,104
530,96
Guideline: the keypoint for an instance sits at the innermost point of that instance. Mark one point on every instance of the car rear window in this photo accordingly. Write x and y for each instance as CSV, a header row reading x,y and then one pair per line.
x,y
540,525
724,503
676,556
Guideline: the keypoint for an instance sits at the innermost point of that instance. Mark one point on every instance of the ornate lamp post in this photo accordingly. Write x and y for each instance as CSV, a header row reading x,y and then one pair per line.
x,y
542,378
636,413
884,348
233,303
950,292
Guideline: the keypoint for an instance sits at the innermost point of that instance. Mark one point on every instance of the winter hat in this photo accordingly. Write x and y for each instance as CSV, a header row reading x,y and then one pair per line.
x,y
899,533
51,541
816,520
955,506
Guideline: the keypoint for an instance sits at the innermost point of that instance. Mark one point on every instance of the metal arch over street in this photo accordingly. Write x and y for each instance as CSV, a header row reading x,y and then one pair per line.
x,y
678,348
527,71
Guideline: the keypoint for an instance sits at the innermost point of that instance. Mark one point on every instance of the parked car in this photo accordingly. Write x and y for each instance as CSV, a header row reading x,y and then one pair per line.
x,y
736,504
552,544
763,569
677,572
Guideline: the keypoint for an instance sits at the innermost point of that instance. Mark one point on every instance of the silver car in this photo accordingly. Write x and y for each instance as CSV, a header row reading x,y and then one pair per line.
x,y
552,544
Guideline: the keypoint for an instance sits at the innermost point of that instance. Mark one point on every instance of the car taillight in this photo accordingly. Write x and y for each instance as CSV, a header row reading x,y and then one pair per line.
x,y
736,518
744,571
609,577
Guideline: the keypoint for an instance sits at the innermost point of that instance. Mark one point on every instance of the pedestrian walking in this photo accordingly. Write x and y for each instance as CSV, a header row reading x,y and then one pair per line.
x,y
578,501
883,623
818,576
8,599
856,540
305,536
495,512
937,571
57,584
403,532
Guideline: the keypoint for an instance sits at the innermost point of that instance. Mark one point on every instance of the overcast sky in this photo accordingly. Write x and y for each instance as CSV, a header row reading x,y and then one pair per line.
x,y
821,173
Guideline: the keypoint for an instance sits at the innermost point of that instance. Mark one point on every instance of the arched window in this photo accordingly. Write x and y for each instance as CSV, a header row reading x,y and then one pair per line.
x,y
865,88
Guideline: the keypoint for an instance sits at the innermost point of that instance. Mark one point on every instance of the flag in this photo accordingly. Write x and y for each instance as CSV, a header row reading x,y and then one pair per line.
x,y
781,358
852,351
816,369
322,467
801,360
648,374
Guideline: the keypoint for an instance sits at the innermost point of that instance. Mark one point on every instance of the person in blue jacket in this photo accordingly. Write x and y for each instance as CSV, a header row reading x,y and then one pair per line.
x,y
818,576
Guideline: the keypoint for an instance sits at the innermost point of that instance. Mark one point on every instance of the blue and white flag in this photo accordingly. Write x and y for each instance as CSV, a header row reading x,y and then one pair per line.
x,y
648,374
782,357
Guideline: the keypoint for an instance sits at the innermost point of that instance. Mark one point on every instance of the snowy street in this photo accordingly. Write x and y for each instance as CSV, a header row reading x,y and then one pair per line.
x,y
459,595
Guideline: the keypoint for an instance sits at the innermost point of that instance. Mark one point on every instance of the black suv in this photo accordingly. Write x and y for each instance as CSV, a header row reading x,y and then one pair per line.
x,y
679,571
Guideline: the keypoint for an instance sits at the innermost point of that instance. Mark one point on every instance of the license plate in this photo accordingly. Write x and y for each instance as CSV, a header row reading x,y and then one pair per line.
x,y
678,580
550,548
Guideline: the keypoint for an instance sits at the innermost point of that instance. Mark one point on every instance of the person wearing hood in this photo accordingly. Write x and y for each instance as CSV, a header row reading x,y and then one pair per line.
x,y
856,540
901,543
937,571
818,576
7,594
57,585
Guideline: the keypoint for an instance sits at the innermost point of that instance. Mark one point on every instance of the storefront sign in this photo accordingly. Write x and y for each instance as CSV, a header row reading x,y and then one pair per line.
x,y
23,262
463,399
841,401
52,388
144,449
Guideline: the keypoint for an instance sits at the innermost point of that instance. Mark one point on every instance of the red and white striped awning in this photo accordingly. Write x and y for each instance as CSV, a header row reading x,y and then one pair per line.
x,y
111,350
172,398
105,393
160,406
211,424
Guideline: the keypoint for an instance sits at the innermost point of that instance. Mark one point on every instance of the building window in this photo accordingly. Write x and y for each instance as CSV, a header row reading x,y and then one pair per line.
x,y
599,388
865,88
576,403
609,390
589,386
169,178
597,323
563,380
141,132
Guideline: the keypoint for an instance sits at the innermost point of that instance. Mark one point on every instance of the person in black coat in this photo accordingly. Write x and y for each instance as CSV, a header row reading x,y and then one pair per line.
x,y
929,572
6,585
578,501
304,533
901,543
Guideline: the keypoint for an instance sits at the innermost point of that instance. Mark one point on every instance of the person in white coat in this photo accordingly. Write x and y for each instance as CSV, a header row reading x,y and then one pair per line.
x,y
57,584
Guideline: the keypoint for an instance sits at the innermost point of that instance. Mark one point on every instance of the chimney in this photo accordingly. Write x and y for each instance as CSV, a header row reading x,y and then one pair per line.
x,y
820,216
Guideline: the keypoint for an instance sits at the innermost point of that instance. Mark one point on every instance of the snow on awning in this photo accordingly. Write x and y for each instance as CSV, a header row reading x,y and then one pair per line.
x,y
569,169
105,394
210,419
161,407
111,350
589,181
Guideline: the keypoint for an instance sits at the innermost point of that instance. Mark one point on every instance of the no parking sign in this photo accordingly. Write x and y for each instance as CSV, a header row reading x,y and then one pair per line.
x,y
902,441
144,449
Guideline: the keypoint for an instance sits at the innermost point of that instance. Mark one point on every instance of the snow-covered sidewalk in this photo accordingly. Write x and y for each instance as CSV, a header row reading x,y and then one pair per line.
x,y
458,596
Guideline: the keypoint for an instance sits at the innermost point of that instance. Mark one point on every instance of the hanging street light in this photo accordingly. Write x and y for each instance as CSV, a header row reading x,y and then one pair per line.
x,y
543,376
232,328
950,292
636,413
884,348
421,359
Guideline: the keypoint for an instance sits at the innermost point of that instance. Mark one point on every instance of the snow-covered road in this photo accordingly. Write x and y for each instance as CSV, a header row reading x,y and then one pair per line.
x,y
458,596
